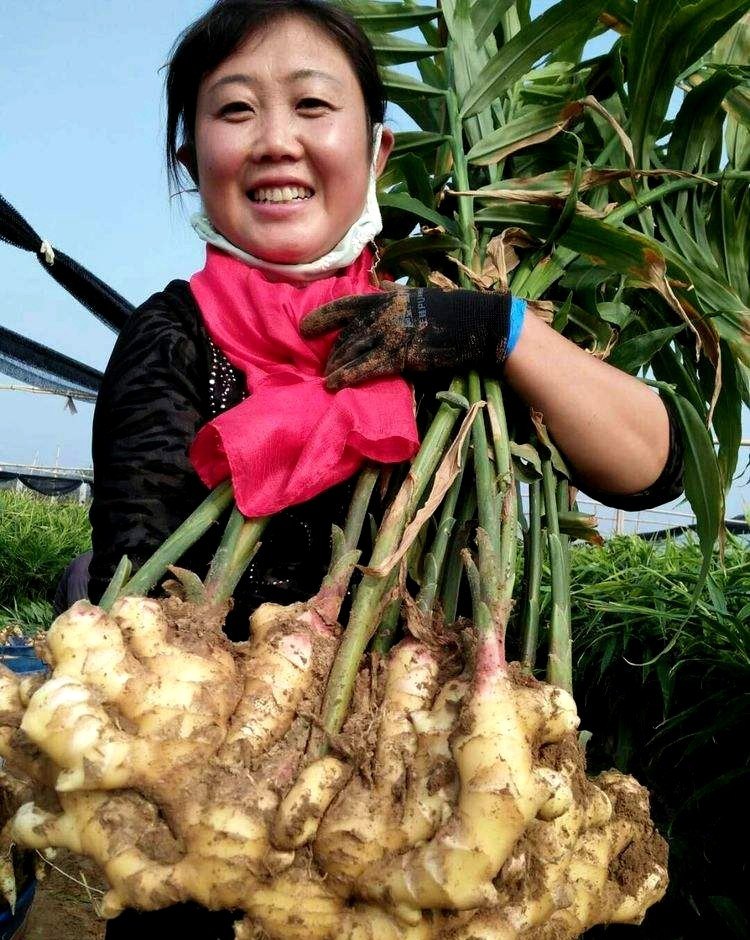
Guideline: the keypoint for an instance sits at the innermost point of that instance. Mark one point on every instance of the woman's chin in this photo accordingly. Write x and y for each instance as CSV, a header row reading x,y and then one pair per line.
x,y
285,254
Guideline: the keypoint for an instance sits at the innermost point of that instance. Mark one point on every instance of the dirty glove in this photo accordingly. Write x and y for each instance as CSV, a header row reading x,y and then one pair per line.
x,y
415,330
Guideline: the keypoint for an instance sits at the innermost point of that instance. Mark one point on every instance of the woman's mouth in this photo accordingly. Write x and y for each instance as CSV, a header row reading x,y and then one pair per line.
x,y
280,194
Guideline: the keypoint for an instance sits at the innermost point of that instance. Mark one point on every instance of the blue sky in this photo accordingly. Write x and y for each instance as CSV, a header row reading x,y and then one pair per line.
x,y
81,119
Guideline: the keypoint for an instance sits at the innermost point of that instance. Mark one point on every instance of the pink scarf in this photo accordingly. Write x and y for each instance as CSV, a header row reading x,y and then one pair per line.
x,y
291,439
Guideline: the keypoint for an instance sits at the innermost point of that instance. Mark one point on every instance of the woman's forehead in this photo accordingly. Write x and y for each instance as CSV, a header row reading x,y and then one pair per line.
x,y
288,50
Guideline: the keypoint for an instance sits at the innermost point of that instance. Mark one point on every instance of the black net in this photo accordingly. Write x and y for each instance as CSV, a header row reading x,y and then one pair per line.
x,y
50,486
42,367
44,485
104,302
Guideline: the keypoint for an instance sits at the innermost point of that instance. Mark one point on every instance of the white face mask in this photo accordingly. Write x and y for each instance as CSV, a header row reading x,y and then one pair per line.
x,y
367,226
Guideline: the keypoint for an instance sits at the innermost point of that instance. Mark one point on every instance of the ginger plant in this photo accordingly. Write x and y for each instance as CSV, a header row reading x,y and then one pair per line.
x,y
424,789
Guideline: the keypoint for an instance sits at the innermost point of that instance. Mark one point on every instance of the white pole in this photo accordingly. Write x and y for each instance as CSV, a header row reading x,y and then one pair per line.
x,y
620,522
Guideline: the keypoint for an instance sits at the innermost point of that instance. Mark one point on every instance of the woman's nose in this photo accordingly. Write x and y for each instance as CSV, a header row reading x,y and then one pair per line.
x,y
277,138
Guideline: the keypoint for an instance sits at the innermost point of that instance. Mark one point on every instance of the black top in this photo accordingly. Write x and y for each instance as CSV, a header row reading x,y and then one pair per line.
x,y
165,380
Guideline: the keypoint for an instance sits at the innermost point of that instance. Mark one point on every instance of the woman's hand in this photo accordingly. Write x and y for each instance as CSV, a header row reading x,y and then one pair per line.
x,y
412,330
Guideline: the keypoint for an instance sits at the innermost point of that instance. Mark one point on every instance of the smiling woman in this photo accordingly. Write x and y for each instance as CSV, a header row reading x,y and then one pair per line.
x,y
282,150
275,111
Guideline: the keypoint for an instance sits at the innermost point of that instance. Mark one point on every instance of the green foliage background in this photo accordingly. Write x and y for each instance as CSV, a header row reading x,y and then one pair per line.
x,y
635,226
38,538
678,724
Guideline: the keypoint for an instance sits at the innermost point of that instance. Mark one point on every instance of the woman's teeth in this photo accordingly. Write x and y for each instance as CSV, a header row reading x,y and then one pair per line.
x,y
280,194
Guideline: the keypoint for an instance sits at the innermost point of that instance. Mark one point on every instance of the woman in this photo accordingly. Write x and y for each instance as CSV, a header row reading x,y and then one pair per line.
x,y
275,109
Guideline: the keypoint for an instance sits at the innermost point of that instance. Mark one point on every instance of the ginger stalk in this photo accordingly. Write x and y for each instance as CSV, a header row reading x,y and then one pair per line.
x,y
366,606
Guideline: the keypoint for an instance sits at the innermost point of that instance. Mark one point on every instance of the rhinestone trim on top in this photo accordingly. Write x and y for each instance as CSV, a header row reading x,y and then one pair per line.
x,y
222,382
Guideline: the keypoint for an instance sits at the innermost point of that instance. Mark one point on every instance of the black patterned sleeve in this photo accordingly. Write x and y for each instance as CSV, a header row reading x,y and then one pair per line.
x,y
668,486
152,402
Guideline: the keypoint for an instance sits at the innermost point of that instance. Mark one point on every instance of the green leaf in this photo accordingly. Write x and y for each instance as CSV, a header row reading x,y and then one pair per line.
x,y
615,312
734,918
727,419
687,144
468,58
410,141
413,206
727,241
409,169
667,36
383,17
618,249
633,353
392,50
676,235
592,326
555,457
579,525
527,462
532,126
702,480
667,367
400,84
486,16
557,25
571,200
418,246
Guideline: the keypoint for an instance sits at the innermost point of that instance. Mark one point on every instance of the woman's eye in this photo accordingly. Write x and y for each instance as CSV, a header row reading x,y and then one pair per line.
x,y
312,104
235,107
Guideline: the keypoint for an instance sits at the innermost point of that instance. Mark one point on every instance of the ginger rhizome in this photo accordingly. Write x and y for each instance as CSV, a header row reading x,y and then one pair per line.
x,y
426,790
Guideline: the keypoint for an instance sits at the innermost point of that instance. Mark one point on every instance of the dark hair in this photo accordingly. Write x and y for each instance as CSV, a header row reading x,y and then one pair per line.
x,y
223,28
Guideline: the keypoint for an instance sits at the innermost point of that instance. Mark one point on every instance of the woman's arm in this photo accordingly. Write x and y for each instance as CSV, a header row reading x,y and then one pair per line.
x,y
623,446
612,429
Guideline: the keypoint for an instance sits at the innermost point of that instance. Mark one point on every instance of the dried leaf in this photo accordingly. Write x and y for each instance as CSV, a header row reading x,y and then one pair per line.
x,y
440,280
544,309
479,280
627,145
431,230
446,473
537,419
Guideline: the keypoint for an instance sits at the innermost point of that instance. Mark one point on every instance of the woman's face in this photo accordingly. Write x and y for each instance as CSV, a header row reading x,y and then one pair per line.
x,y
282,144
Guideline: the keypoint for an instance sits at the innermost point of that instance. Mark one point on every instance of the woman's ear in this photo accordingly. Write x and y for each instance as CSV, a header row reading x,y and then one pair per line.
x,y
387,140
186,156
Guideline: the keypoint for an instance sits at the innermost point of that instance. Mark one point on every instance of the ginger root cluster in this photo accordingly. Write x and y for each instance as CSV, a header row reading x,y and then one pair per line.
x,y
454,804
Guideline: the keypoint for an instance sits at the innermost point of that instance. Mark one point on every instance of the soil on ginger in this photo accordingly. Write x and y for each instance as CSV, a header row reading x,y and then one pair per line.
x,y
63,909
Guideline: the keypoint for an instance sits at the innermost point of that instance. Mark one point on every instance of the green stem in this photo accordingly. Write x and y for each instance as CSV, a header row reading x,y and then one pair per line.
x,y
461,174
387,629
609,148
435,558
550,497
225,551
543,274
355,518
658,192
121,575
367,601
532,579
454,568
487,501
344,553
481,615
560,657
507,494
197,523
236,550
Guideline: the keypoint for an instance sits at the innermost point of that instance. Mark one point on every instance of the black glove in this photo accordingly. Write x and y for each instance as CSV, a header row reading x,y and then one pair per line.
x,y
412,330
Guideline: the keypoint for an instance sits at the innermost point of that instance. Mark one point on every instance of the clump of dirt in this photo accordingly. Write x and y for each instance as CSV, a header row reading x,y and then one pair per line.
x,y
567,753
